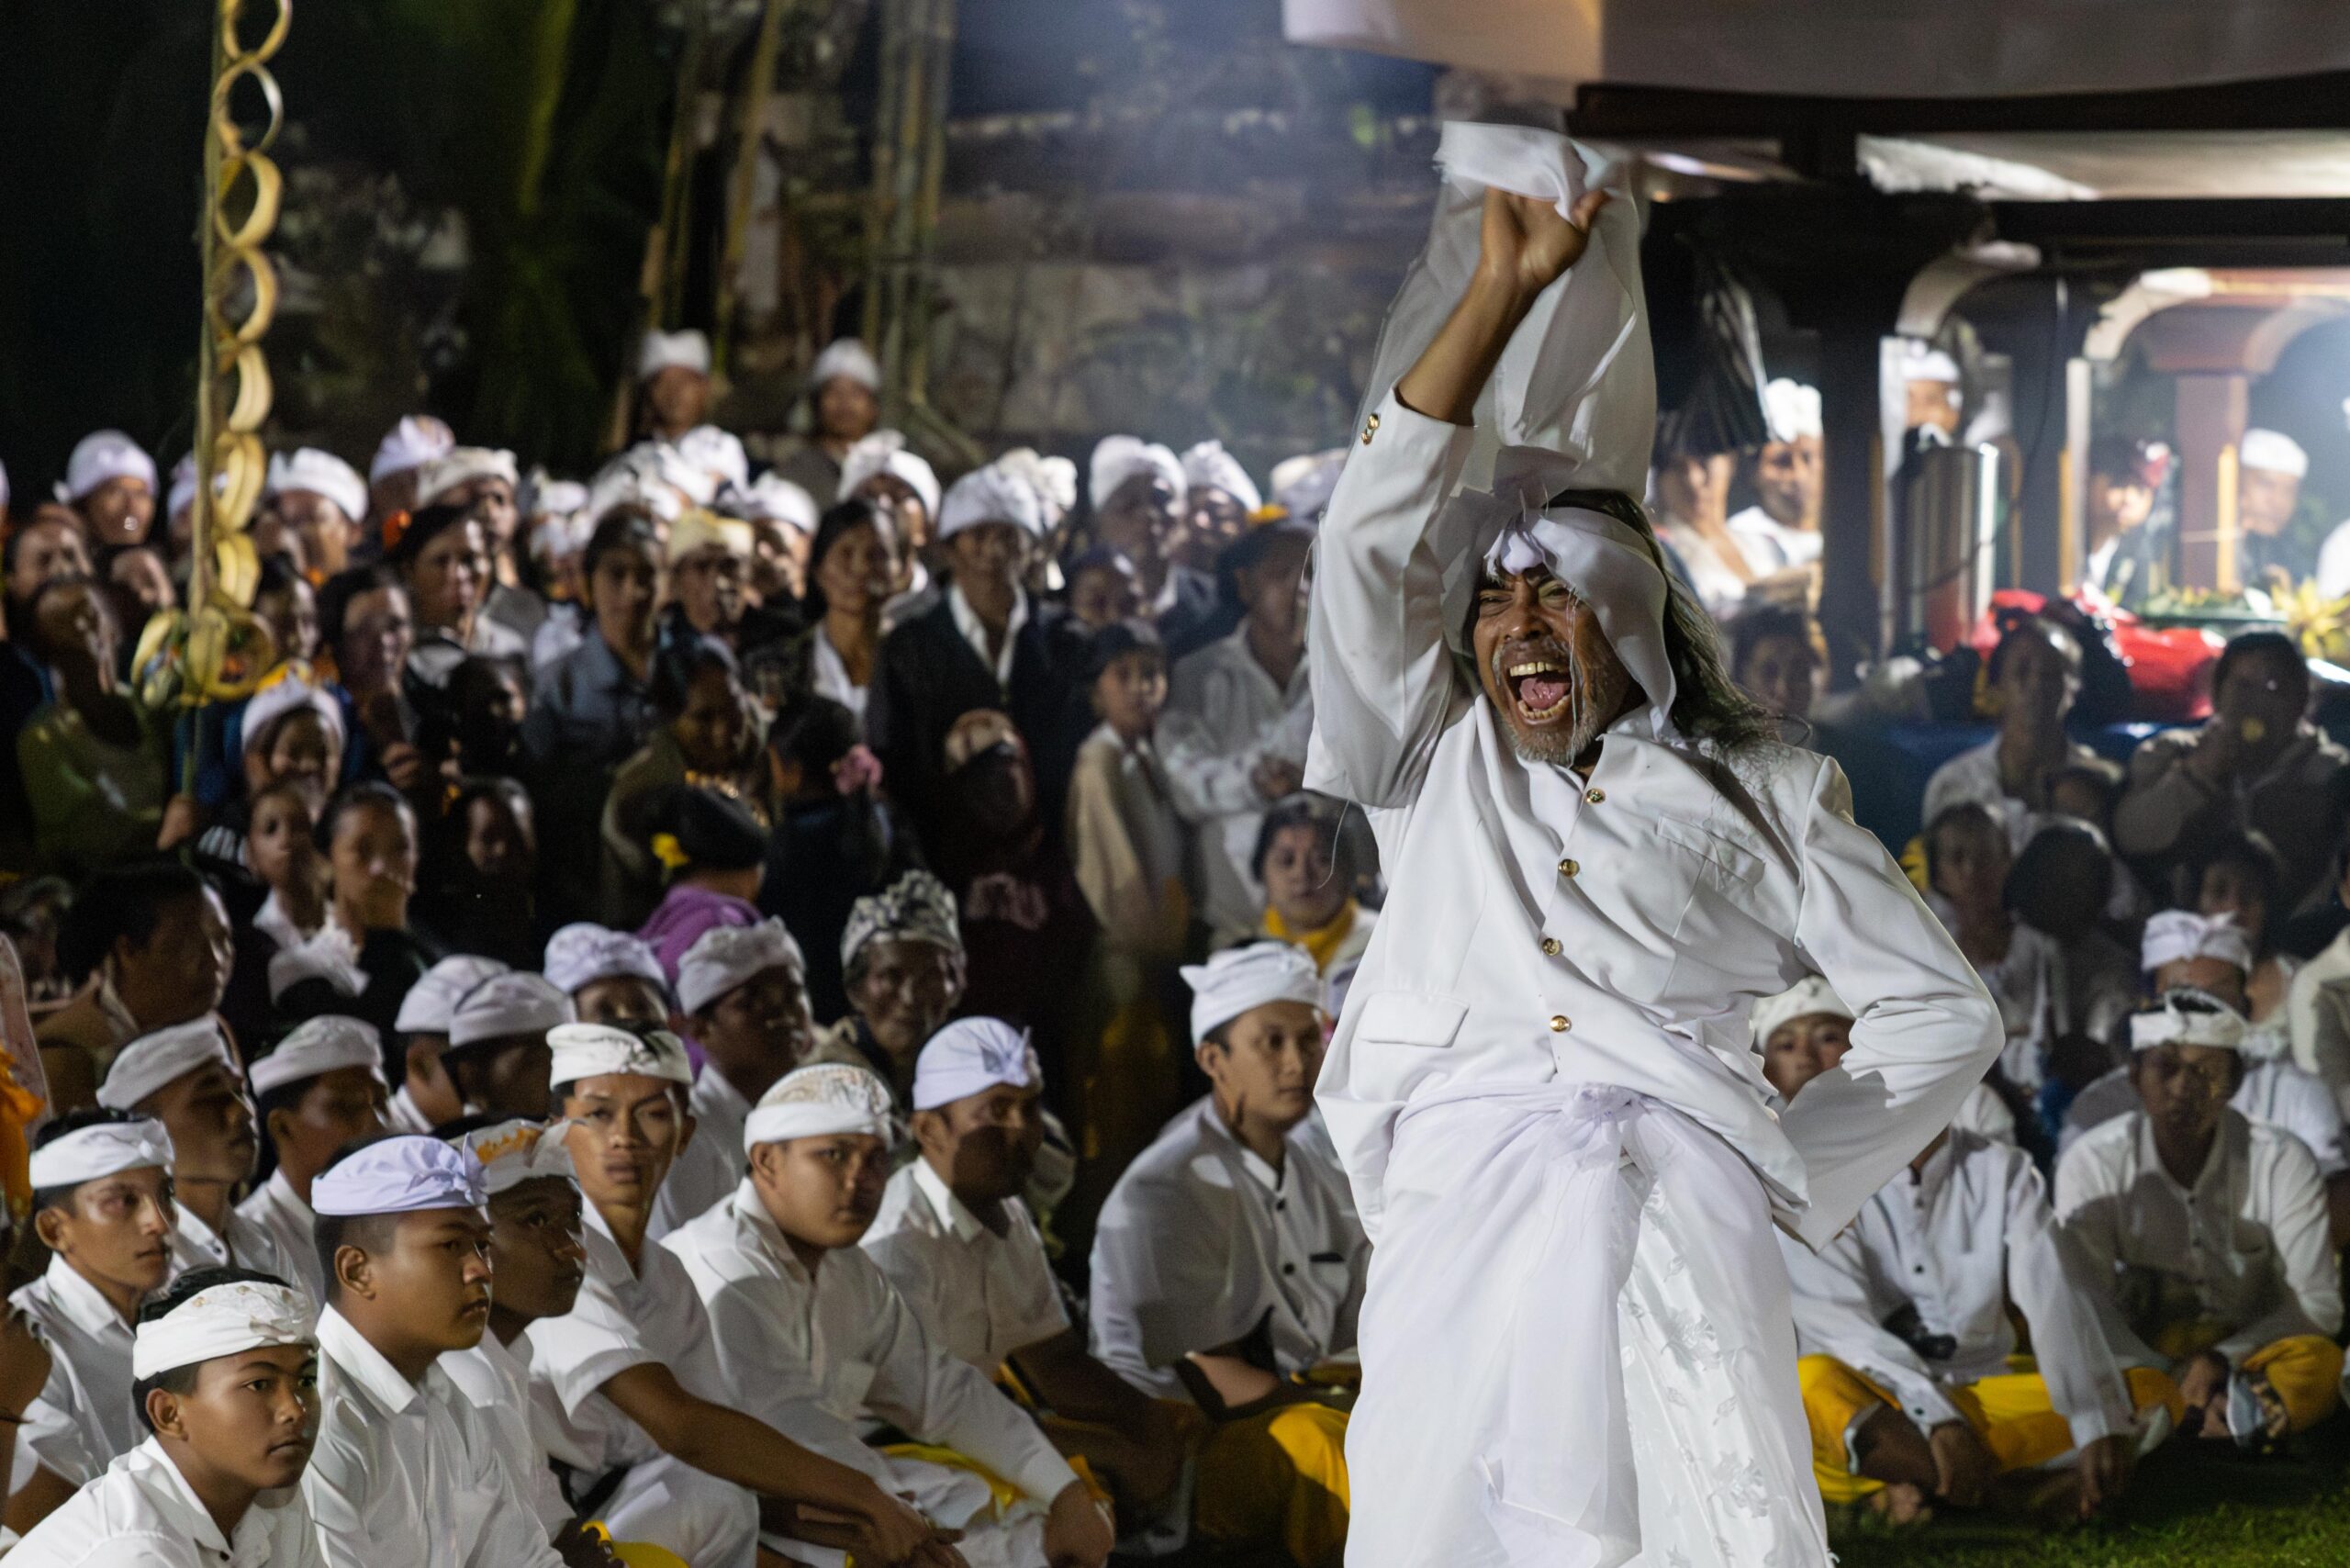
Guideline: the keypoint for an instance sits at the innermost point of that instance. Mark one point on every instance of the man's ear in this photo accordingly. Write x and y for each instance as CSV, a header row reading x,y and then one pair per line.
x,y
50,1225
767,1160
930,1130
354,1273
165,1415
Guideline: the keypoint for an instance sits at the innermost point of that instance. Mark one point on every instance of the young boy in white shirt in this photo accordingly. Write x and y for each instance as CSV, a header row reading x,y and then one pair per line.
x,y
320,1089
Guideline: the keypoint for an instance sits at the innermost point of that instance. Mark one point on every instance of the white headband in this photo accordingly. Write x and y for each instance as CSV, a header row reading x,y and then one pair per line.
x,y
463,465
660,351
516,1151
971,1055
725,957
414,442
432,1000
152,1060
848,357
823,1101
108,1149
407,1175
321,474
221,1320
104,455
1609,568
508,1005
289,694
583,953
600,1050
884,452
1233,982
1118,458
2217,1025
2173,934
1208,466
2273,451
992,494
322,1045
1812,995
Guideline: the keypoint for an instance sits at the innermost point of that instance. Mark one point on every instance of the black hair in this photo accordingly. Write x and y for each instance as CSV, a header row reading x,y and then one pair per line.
x,y
2057,850
73,1122
181,1380
20,898
1303,810
478,674
815,732
1763,624
680,661
335,598
2262,645
1114,642
838,518
122,903
1108,558
2097,774
2252,854
1966,813
2032,629
715,830
623,528
425,525
1252,547
277,576
2120,457
332,1233
351,797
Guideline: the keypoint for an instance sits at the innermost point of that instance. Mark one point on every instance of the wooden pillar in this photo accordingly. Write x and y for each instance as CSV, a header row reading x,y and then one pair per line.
x,y
2212,409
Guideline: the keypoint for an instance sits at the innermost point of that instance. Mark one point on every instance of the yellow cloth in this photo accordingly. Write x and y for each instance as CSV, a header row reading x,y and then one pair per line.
x,y
1279,1476
2010,1413
1322,944
2305,1371
1002,1494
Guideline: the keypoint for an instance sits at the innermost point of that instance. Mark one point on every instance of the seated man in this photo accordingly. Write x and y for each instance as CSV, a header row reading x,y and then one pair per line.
x,y
406,1473
625,1387
498,1044
223,1368
743,992
320,1089
426,1096
184,1077
611,977
964,1252
2206,1231
1902,1325
1229,1262
101,1205
812,1339
1804,1032
2212,953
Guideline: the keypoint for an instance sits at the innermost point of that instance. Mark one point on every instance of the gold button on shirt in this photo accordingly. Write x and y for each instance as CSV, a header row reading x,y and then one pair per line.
x,y
1569,867
1557,1023
1551,946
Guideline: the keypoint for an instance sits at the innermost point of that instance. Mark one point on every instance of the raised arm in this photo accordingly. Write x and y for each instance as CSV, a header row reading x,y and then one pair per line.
x,y
1383,683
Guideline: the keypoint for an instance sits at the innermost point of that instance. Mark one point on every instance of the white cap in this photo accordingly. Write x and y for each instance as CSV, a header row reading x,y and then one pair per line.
x,y
1053,478
1302,485
1812,996
826,1100
848,357
432,1000
226,1320
155,1059
1233,982
991,495
2273,451
517,1002
321,474
1208,466
558,498
600,1050
408,1173
716,453
583,953
698,531
104,455
319,1046
627,482
516,1151
971,1055
462,465
1794,410
328,954
1922,362
884,452
2172,934
108,1149
1118,458
2204,1021
771,497
726,956
285,694
688,350
417,440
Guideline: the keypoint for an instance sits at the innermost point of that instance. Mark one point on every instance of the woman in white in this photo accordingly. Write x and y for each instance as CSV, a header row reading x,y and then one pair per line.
x,y
851,567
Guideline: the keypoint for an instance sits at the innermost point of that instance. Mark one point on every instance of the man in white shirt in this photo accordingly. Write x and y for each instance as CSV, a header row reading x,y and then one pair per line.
x,y
2208,1231
962,1249
406,1473
1542,1086
1237,714
497,1043
673,379
1228,1263
813,1341
101,1205
1789,475
1902,1323
743,992
322,1087
426,1096
184,1077
224,1368
625,1388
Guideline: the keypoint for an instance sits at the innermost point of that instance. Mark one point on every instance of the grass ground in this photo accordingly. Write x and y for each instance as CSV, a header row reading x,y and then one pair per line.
x,y
2189,1507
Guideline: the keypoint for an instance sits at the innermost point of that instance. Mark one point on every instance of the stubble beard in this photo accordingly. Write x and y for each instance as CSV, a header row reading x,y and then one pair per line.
x,y
1592,697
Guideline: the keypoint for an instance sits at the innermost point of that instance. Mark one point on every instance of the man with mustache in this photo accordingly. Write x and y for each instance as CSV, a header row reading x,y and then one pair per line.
x,y
1542,1086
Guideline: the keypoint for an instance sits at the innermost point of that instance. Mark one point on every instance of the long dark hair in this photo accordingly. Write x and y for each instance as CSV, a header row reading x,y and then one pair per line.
x,y
1706,703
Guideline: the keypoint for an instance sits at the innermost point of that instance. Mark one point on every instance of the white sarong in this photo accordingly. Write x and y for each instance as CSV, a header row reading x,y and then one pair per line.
x,y
1578,1349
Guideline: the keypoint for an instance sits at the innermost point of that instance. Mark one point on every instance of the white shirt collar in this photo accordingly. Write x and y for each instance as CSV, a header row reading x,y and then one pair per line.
x,y
752,1214
282,1194
82,1300
1250,1161
967,621
965,1224
363,1363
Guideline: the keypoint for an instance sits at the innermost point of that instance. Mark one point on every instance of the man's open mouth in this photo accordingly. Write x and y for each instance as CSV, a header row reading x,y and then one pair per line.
x,y
1543,688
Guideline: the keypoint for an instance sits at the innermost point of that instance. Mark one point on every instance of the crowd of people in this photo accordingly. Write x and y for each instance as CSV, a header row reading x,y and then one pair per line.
x,y
775,1017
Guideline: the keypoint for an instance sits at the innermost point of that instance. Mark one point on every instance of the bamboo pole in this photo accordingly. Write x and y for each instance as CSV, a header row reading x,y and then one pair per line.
x,y
743,178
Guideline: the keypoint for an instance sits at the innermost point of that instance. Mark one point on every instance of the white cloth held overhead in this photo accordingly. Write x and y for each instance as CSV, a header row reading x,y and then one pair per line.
x,y
318,1045
1208,466
405,1175
1118,458
518,1002
971,1055
155,1059
727,956
2273,451
432,1000
92,1153
1233,982
321,474
601,1050
221,1320
583,953
826,1100
688,350
103,456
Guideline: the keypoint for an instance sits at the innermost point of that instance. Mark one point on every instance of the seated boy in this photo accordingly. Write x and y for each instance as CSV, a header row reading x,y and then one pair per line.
x,y
498,1044
184,1077
425,1095
321,1088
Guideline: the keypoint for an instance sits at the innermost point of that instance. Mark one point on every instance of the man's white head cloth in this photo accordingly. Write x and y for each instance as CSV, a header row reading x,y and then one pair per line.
x,y
103,456
226,1320
1233,982
971,1055
828,1100
288,694
462,465
687,350
2180,934
846,358
320,1046
1208,466
600,1050
727,956
1118,458
321,474
1794,410
583,953
992,494
884,452
1302,485
432,1001
157,1058
1811,995
408,1173
512,1152
2186,1017
96,1152
2273,451
417,440
508,1005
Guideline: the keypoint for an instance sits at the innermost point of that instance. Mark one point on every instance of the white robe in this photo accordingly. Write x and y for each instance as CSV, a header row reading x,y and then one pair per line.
x,y
143,1514
278,1210
82,1420
1545,932
1225,714
979,1297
